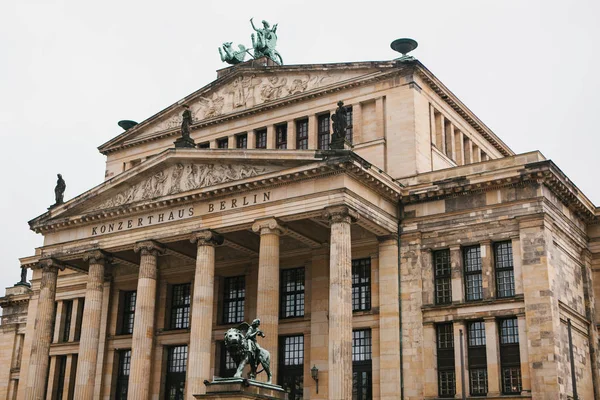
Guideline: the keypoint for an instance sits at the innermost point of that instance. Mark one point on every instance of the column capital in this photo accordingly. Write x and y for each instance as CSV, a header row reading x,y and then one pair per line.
x,y
50,264
149,247
268,226
340,214
207,237
97,257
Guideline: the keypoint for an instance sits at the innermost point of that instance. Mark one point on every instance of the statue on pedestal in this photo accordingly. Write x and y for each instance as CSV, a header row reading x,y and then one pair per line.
x,y
185,140
244,349
59,191
340,125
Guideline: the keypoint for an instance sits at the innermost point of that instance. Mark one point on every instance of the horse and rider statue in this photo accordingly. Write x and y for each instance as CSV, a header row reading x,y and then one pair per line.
x,y
241,345
263,44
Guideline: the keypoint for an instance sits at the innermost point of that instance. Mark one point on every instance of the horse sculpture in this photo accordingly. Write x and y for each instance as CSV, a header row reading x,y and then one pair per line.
x,y
231,56
241,351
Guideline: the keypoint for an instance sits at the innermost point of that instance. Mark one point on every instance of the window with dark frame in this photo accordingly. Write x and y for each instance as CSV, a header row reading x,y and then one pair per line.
x,y
54,320
62,369
79,318
223,143
442,272
292,293
234,299
227,365
241,141
361,284
324,131
349,127
362,381
180,306
204,145
68,312
302,134
176,369
281,136
261,139
124,367
510,357
445,360
477,359
128,312
472,273
291,365
505,274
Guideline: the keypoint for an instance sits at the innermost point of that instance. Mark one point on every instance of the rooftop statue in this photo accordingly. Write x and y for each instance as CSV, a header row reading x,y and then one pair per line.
x,y
59,191
244,349
232,56
340,125
265,41
185,141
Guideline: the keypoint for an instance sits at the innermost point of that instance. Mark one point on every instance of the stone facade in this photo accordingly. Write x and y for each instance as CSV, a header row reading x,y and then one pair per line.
x,y
381,262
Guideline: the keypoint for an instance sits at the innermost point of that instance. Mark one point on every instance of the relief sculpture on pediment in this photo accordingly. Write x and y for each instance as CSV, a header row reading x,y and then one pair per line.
x,y
180,178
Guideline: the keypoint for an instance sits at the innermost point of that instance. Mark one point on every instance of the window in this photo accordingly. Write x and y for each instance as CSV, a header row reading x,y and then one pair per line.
x,y
302,134
324,132
68,313
291,365
361,284
61,365
180,306
241,141
234,299
281,136
477,358
223,143
361,364
473,279
124,359
510,358
505,275
349,128
261,139
204,145
445,360
176,369
227,366
443,276
128,313
292,293
79,318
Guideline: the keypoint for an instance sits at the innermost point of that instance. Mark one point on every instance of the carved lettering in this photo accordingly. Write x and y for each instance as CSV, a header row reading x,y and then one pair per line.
x,y
178,214
161,217
233,203
140,221
211,207
171,216
150,219
111,227
94,232
120,226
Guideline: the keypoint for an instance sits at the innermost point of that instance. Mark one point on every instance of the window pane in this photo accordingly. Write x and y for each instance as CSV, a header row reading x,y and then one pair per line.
x,y
234,296
180,306
509,331
324,133
302,134
478,380
361,345
472,271
349,128
446,383
129,299
281,136
123,374
261,139
361,284
291,365
511,380
292,293
476,333
68,311
176,369
445,336
505,280
472,257
242,141
443,279
223,143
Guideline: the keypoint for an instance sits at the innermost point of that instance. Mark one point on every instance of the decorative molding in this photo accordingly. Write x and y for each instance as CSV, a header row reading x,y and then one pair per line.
x,y
207,237
268,226
149,247
341,214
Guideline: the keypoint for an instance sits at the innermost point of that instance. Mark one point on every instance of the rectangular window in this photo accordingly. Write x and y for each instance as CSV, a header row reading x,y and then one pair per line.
x,y
281,136
443,276
68,312
349,127
180,306
445,360
477,358
324,131
124,359
292,293
361,284
361,365
128,312
261,139
510,358
234,299
227,365
505,275
472,269
223,143
204,145
302,134
241,141
61,365
291,365
176,369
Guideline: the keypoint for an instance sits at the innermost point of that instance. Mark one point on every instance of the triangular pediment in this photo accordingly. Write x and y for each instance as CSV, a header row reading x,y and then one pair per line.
x,y
247,89
173,174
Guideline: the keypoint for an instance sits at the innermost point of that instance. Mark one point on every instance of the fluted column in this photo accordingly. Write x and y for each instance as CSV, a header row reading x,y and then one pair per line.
x,y
90,326
42,334
267,301
202,312
143,326
340,302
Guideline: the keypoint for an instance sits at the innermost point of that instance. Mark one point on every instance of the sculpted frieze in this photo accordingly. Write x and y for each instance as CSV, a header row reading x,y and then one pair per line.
x,y
181,177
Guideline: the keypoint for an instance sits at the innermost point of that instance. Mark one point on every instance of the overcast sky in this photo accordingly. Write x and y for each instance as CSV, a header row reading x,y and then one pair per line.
x,y
69,70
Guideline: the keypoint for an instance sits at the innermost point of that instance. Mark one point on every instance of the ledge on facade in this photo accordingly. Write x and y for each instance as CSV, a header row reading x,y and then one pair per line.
x,y
519,298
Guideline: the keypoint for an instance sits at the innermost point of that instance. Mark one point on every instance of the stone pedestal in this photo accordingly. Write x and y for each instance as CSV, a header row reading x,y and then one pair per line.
x,y
241,389
185,143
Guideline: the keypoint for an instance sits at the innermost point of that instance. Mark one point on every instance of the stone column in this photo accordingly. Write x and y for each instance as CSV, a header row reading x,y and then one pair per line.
x,y
271,140
492,356
459,147
267,300
389,318
457,327
458,286
488,278
143,326
291,134
524,355
251,142
340,302
430,378
198,367
313,141
42,334
90,326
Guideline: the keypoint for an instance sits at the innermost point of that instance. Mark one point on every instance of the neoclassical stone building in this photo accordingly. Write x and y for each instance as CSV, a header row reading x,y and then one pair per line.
x,y
379,266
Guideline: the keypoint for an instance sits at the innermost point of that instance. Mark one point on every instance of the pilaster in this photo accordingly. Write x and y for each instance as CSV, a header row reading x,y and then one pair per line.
x,y
456,265
459,326
524,355
487,270
492,352
319,322
430,378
